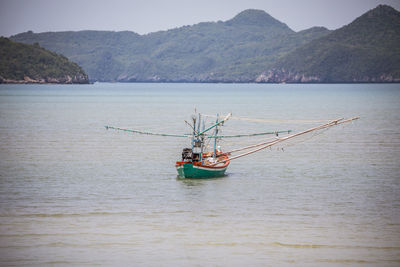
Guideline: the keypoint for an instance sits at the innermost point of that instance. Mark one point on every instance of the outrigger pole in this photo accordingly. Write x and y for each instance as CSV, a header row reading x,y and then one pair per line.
x,y
271,143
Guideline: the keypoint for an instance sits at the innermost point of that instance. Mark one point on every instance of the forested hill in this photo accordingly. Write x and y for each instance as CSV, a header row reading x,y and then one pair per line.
x,y
251,47
366,50
23,63
235,50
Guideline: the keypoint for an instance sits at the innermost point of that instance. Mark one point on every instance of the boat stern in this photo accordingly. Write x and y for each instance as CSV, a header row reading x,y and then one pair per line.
x,y
198,170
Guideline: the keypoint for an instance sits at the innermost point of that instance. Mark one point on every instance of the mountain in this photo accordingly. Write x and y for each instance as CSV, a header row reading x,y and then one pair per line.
x,y
251,47
237,50
254,17
23,63
366,50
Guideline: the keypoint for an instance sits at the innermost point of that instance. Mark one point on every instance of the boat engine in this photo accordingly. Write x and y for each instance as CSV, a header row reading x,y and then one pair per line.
x,y
187,154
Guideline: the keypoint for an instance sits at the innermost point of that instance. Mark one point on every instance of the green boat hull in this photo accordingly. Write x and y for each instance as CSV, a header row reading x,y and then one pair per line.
x,y
190,171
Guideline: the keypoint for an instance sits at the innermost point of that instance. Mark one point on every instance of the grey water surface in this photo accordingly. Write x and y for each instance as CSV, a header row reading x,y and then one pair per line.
x,y
75,194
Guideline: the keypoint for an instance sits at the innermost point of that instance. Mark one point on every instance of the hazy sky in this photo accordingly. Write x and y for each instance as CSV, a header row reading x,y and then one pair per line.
x,y
146,16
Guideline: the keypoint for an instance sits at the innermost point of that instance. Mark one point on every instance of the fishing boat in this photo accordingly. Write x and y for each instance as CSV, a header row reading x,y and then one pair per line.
x,y
196,162
202,160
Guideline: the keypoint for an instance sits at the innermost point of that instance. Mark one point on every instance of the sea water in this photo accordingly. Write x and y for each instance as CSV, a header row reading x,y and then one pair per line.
x,y
75,194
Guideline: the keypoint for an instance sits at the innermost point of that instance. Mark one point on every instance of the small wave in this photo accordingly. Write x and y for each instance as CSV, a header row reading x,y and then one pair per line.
x,y
61,215
302,245
70,245
345,261
332,246
58,262
54,244
224,244
40,235
217,244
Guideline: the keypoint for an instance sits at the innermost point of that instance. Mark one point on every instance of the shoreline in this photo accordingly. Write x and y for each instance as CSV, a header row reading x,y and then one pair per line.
x,y
6,81
27,80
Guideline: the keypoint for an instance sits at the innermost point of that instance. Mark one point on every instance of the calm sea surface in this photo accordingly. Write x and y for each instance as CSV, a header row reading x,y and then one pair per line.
x,y
75,194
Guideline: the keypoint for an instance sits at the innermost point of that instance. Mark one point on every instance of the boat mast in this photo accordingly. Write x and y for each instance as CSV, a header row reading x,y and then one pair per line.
x,y
198,124
215,140
194,132
200,139
197,139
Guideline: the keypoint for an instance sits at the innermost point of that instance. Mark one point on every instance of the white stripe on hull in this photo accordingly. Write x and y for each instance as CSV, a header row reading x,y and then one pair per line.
x,y
209,169
204,168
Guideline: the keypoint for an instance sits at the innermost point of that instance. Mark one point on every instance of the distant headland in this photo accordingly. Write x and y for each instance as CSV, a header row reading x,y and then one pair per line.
x,y
23,63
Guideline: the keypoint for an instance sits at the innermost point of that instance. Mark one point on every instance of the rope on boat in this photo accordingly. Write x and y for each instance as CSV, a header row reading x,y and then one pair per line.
x,y
148,133
189,135
254,134
270,121
214,125
271,143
